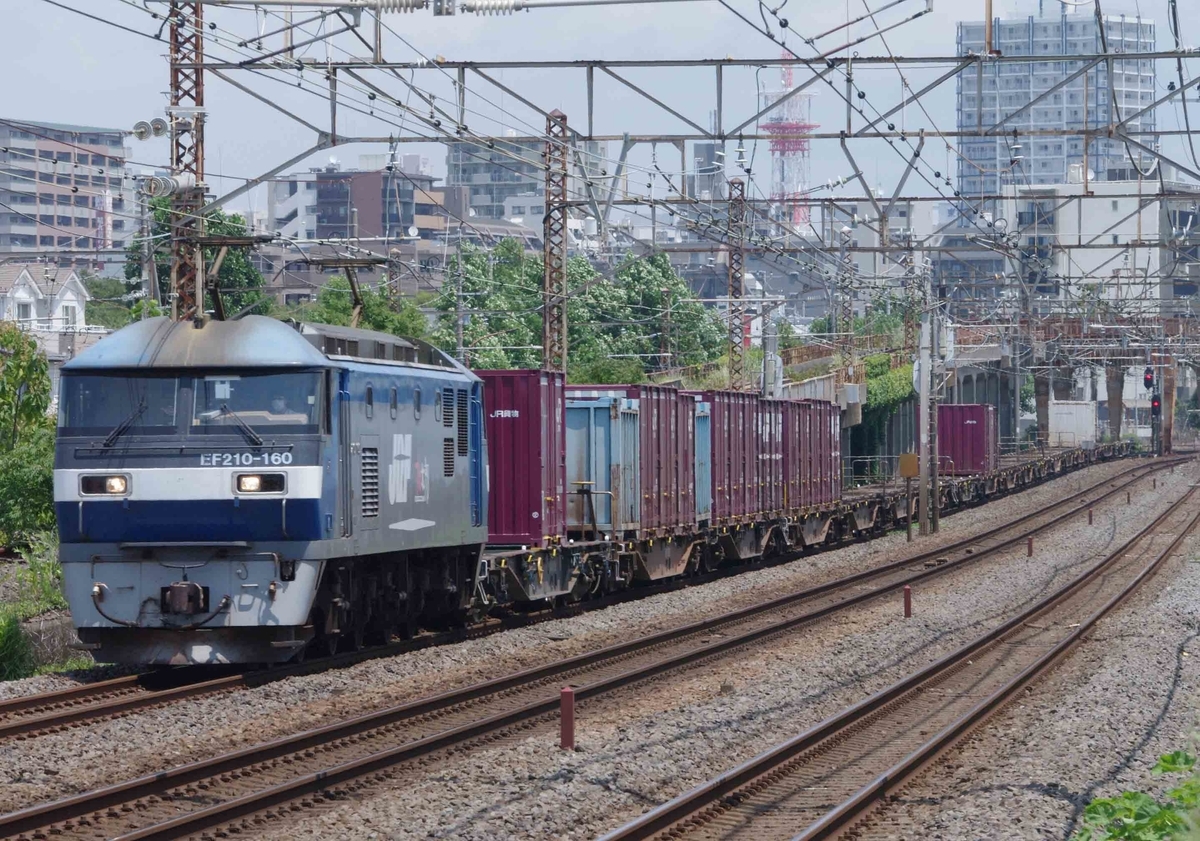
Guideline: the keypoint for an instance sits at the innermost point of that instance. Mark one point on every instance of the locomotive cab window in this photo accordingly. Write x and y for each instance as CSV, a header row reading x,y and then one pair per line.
x,y
277,402
370,402
101,404
417,403
395,404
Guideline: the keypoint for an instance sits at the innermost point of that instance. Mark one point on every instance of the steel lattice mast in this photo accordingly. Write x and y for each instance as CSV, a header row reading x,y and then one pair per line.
x,y
554,293
737,308
187,158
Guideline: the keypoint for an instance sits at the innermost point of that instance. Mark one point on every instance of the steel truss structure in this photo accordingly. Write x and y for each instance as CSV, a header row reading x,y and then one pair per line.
x,y
448,101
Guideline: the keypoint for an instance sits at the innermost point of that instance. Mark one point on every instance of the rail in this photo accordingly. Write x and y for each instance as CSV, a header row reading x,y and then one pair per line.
x,y
773,794
165,805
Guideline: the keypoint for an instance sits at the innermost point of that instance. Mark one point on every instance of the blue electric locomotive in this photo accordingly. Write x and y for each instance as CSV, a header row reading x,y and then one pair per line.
x,y
234,491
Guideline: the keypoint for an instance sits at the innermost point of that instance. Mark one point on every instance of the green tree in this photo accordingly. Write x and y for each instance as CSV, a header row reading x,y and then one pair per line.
x,y
334,306
616,328
24,383
27,485
240,283
27,454
109,304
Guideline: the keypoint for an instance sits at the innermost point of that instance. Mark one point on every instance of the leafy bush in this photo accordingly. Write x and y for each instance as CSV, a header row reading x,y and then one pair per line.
x,y
1136,816
27,486
40,581
16,653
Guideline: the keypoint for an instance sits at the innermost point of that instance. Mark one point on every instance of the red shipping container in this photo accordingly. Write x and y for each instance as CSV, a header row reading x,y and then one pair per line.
x,y
792,441
967,439
736,450
667,451
771,456
527,467
824,452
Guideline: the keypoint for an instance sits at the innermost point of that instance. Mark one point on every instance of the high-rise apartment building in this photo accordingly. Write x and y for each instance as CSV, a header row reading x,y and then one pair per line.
x,y
987,163
510,168
64,188
330,202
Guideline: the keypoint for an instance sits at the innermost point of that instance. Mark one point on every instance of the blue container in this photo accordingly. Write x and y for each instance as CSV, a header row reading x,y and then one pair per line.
x,y
703,462
603,448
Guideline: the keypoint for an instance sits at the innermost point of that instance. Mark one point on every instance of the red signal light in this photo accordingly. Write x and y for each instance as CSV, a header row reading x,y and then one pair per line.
x,y
1155,406
1148,377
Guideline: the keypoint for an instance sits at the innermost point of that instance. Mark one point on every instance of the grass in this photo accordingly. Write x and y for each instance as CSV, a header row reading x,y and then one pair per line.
x,y
39,590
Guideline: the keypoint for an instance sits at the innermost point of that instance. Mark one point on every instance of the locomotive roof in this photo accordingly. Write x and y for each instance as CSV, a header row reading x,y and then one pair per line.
x,y
254,341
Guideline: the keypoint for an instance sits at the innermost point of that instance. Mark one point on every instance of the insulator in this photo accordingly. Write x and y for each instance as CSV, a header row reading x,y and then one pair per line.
x,y
492,7
400,5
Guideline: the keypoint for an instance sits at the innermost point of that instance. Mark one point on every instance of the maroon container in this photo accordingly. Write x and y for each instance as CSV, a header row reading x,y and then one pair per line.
x,y
736,448
771,457
967,439
527,467
824,452
667,451
795,453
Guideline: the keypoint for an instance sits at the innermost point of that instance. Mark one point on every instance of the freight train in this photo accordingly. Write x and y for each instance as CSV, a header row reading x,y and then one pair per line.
x,y
249,491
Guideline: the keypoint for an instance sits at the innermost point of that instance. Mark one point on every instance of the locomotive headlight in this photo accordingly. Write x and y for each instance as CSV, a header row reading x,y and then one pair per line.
x,y
104,485
260,483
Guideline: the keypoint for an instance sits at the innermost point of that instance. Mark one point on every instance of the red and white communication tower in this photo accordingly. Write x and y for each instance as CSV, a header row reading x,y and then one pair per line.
x,y
789,126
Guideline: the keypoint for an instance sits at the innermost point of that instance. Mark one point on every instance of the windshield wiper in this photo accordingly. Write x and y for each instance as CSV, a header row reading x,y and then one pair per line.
x,y
254,437
124,425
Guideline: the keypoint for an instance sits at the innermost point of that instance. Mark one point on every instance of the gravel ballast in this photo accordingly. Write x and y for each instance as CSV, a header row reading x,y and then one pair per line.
x,y
651,743
1093,728
820,672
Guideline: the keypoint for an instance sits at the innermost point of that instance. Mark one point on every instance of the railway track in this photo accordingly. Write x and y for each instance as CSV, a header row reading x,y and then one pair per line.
x,y
29,716
255,780
818,783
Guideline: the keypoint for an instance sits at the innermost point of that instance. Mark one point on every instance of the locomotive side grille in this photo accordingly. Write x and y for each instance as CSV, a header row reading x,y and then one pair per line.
x,y
370,482
447,457
447,407
462,421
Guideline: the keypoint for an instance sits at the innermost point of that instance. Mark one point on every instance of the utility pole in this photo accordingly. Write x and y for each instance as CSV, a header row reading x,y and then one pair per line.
x,y
935,506
924,364
187,158
554,282
458,297
149,267
737,284
664,342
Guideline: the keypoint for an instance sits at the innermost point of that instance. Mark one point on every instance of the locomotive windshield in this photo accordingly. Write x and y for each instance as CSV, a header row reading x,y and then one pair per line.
x,y
98,404
278,402
201,404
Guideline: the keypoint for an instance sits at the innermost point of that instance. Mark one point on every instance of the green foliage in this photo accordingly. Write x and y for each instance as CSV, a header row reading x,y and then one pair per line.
x,y
1136,816
888,390
16,652
1027,402
147,305
109,305
39,582
334,306
27,485
38,589
240,283
877,365
615,328
787,335
24,383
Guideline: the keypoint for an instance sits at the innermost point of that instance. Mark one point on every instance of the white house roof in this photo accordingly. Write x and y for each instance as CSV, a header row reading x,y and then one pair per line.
x,y
47,279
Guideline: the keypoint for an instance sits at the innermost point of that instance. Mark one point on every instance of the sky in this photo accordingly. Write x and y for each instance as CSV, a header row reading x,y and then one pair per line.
x,y
62,67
